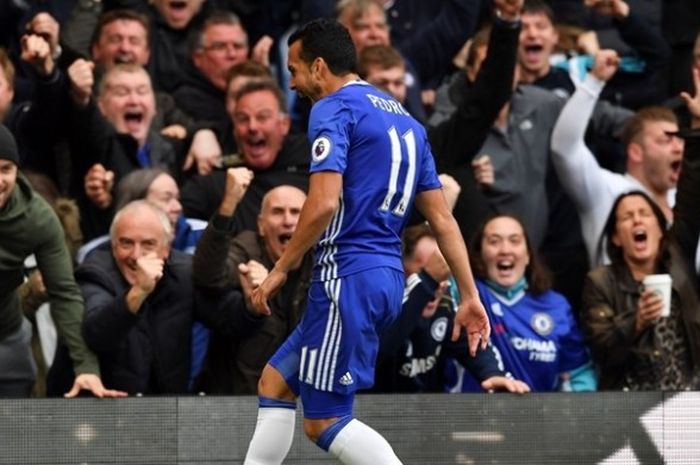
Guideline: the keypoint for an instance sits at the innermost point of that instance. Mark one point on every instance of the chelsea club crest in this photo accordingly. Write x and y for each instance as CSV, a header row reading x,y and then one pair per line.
x,y
542,323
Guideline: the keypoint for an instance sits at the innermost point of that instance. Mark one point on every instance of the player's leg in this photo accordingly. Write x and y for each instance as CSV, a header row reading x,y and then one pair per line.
x,y
348,439
339,358
277,392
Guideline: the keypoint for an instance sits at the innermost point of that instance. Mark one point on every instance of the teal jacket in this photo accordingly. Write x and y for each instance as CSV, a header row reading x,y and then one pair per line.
x,y
28,225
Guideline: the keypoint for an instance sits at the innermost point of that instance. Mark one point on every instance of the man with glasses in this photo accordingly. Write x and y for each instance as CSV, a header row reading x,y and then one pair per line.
x,y
217,46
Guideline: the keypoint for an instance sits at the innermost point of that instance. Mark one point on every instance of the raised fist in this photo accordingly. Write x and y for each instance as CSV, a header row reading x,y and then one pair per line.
x,y
605,64
98,186
44,25
483,171
237,182
149,270
82,80
37,52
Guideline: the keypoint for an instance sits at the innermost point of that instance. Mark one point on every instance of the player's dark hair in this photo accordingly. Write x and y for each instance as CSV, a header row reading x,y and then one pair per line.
x,y
327,39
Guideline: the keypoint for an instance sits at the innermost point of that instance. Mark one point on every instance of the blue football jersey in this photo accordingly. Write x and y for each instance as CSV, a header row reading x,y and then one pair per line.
x,y
385,159
536,335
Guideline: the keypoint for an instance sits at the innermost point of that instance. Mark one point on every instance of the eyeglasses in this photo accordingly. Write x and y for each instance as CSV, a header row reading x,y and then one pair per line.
x,y
220,47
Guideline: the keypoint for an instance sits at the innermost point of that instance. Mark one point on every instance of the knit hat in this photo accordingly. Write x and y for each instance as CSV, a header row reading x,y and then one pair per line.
x,y
8,146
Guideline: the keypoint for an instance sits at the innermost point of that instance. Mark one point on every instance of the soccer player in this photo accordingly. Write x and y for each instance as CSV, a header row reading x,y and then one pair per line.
x,y
370,161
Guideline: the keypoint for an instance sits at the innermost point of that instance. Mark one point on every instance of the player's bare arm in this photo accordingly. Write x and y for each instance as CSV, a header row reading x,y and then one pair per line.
x,y
470,314
322,202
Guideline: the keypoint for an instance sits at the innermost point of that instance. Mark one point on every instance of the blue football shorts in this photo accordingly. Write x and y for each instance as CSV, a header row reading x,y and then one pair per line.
x,y
333,351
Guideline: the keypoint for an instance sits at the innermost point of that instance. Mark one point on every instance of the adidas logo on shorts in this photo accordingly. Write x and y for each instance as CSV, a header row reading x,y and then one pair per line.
x,y
346,379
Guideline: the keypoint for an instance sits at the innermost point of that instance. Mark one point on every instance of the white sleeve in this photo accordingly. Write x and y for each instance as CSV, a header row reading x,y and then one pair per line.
x,y
579,172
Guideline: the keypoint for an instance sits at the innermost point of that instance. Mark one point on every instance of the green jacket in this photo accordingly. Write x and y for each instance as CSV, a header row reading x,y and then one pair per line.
x,y
28,226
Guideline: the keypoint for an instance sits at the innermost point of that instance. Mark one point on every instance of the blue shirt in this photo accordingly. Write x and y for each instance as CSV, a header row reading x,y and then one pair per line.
x,y
536,336
384,157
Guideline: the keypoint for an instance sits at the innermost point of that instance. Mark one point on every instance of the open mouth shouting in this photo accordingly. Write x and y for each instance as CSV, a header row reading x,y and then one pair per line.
x,y
675,170
284,238
639,238
255,144
133,120
533,53
505,266
178,12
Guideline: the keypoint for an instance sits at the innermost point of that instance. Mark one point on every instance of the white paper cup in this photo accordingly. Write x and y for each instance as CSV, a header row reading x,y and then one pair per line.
x,y
660,284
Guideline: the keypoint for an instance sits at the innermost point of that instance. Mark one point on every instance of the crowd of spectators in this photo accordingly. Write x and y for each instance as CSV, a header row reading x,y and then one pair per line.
x,y
153,165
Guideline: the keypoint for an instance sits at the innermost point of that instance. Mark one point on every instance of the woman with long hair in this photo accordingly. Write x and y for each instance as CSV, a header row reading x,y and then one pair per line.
x,y
635,346
533,327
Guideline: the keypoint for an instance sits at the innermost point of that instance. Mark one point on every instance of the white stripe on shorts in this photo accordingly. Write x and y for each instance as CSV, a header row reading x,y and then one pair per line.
x,y
331,338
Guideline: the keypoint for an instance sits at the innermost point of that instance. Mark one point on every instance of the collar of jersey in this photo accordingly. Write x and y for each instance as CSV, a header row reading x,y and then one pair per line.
x,y
356,82
508,295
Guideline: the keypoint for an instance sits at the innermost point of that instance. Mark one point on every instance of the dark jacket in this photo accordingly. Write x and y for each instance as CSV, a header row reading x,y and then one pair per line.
x,y
430,36
202,195
234,365
149,352
457,139
169,51
611,295
200,99
413,350
94,140
629,89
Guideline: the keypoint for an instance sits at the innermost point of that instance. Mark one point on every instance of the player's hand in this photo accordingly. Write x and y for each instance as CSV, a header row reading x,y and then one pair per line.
x,y
503,384
272,284
472,317
149,270
483,171
237,182
605,64
92,383
82,78
205,151
98,186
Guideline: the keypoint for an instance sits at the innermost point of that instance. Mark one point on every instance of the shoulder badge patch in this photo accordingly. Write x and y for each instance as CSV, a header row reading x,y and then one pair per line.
x,y
320,148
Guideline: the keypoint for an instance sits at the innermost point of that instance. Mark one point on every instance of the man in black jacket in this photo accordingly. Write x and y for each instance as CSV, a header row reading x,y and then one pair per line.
x,y
140,304
268,156
218,45
243,261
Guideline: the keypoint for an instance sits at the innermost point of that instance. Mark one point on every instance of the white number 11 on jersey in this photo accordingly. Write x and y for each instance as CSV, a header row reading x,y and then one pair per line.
x,y
396,159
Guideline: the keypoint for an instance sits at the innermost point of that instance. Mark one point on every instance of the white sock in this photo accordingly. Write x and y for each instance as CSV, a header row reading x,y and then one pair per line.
x,y
358,444
273,436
